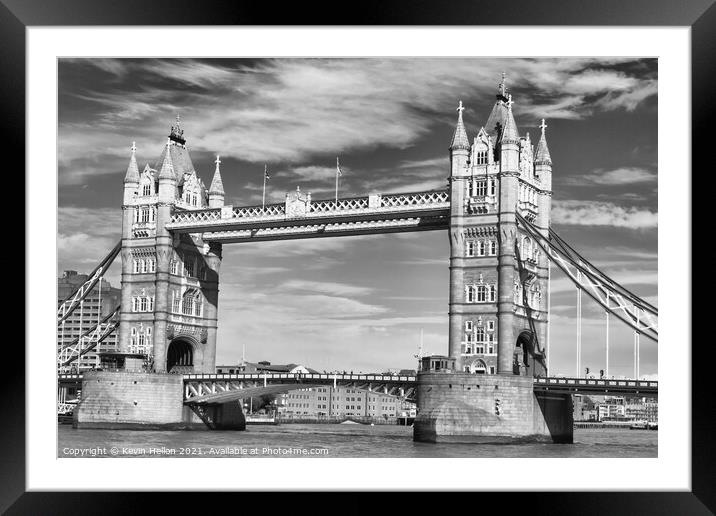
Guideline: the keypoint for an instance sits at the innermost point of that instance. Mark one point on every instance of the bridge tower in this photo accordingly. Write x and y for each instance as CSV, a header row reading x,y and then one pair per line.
x,y
498,293
170,283
498,276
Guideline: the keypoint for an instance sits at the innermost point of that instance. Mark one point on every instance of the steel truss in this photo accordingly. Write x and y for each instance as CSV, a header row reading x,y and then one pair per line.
x,y
87,341
642,316
67,306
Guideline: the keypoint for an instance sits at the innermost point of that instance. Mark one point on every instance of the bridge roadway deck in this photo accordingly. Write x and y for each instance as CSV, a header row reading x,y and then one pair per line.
x,y
200,388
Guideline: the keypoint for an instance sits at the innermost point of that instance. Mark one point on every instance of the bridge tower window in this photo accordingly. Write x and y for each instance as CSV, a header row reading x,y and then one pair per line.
x,y
470,293
189,267
478,188
470,249
481,293
176,302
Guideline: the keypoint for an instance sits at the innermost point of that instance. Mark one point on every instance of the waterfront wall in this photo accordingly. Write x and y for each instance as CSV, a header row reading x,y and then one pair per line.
x,y
133,400
464,407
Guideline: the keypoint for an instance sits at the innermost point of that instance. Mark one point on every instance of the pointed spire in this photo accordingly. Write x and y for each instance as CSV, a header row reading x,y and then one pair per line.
x,y
510,134
217,185
167,170
132,175
542,153
177,133
459,139
502,89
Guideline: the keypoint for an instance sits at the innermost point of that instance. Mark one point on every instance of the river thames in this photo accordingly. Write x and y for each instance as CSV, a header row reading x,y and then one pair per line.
x,y
338,440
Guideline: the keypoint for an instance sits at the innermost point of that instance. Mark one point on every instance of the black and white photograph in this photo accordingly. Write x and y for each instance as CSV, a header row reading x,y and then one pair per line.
x,y
351,257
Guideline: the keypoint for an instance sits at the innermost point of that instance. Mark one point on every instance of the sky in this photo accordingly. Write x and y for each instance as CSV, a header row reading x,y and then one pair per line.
x,y
359,303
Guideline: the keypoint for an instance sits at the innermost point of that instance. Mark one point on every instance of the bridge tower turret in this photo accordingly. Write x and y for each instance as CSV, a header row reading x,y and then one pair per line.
x,y
508,176
216,190
131,179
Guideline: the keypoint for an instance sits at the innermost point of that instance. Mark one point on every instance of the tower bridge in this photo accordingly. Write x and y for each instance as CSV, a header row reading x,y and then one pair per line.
x,y
494,380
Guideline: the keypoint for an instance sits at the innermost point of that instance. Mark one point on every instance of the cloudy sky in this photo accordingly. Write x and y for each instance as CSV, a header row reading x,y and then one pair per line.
x,y
359,303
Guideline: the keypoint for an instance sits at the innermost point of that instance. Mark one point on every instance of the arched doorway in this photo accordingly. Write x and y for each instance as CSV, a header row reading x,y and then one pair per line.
x,y
525,343
477,366
180,357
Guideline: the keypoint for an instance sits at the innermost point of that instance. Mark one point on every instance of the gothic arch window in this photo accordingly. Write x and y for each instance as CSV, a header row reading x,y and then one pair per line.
x,y
493,247
176,302
192,303
188,303
146,189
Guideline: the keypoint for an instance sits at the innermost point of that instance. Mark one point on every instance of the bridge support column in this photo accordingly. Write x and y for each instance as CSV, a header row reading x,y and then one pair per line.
x,y
129,400
464,407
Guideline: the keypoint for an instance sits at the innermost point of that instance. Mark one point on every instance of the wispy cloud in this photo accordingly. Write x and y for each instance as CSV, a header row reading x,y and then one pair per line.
x,y
617,177
292,109
594,213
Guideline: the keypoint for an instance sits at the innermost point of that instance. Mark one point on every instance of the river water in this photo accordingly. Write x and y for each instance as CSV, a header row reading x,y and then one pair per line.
x,y
337,440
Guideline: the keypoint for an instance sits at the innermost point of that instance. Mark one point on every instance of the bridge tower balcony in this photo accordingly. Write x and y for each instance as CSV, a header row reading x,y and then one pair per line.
x,y
481,204
528,210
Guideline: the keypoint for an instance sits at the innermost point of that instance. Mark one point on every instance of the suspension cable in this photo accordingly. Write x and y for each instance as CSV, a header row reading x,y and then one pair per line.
x,y
564,261
622,289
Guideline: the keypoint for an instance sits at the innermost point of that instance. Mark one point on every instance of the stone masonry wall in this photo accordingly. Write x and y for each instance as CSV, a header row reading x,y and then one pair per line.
x,y
132,400
476,408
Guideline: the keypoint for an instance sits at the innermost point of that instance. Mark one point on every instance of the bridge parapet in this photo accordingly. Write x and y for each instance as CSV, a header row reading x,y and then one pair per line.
x,y
595,386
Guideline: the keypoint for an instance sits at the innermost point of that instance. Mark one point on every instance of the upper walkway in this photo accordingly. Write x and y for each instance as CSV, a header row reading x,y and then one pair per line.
x,y
300,217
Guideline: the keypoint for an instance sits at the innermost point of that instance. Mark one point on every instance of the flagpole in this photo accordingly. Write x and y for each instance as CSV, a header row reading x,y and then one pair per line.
x,y
263,197
338,170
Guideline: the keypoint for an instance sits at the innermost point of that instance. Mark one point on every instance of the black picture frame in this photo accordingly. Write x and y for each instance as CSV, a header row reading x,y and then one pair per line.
x,y
700,15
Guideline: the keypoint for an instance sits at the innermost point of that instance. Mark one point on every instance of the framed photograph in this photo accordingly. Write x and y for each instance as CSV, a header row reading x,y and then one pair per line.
x,y
431,241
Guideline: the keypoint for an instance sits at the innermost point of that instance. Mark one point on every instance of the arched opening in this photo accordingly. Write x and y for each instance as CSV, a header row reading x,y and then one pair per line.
x,y
525,343
180,357
477,367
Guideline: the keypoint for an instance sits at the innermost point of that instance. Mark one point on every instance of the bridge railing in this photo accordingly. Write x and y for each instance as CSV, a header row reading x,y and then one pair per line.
x,y
600,382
